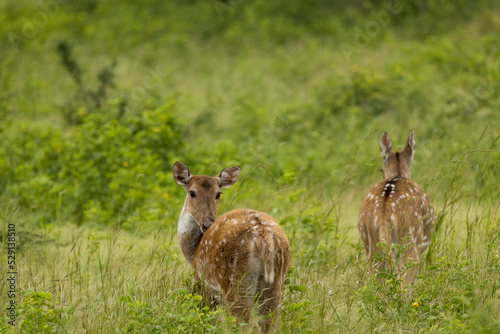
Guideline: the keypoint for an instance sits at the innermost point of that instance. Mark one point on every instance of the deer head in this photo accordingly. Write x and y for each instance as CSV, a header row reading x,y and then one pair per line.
x,y
397,164
203,192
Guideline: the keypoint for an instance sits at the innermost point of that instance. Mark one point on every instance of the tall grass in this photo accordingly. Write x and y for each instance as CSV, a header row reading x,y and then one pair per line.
x,y
267,87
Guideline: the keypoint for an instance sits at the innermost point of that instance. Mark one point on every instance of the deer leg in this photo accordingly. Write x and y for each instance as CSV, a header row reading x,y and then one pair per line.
x,y
410,257
240,302
269,301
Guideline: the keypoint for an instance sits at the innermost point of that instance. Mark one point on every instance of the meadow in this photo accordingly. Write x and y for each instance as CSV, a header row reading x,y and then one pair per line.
x,y
99,98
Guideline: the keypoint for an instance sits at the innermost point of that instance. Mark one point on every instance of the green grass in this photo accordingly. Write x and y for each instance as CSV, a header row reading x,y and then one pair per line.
x,y
85,163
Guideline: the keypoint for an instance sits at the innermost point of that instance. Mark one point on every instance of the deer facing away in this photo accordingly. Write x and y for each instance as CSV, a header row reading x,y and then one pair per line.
x,y
242,257
396,210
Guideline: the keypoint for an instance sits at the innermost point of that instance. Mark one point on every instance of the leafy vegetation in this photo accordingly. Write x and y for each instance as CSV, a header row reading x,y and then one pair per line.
x,y
98,99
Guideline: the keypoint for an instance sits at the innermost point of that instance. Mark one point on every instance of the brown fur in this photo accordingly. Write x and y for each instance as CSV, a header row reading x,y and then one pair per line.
x,y
243,257
244,254
397,210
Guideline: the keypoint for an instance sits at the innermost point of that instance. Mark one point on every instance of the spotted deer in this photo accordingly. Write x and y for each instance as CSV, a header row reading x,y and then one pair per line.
x,y
396,210
242,257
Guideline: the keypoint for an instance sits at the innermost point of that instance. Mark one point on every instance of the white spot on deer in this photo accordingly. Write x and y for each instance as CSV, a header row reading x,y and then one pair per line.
x,y
264,222
253,222
375,222
242,241
255,227
424,244
216,259
393,204
211,284
223,241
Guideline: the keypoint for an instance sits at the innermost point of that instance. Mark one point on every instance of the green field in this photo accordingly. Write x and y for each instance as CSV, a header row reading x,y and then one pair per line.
x,y
99,98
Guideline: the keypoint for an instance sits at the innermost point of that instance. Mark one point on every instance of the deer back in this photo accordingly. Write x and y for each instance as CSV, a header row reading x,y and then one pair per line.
x,y
242,242
395,209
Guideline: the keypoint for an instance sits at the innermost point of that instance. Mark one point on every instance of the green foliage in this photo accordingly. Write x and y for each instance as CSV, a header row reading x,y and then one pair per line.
x,y
89,131
108,168
40,314
163,316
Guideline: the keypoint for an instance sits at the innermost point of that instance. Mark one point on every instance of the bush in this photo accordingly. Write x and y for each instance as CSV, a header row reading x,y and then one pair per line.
x,y
105,170
40,314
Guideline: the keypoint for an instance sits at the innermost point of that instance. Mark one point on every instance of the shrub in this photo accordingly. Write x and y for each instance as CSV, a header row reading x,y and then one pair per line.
x,y
40,314
105,170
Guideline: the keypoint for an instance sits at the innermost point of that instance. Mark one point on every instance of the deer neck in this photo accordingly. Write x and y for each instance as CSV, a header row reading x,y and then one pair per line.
x,y
188,233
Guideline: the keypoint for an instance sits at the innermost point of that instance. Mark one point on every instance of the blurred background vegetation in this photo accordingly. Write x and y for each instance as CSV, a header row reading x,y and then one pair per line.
x,y
98,99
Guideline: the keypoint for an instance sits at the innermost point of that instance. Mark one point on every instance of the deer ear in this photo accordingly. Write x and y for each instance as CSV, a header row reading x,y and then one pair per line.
x,y
181,174
410,146
385,145
228,176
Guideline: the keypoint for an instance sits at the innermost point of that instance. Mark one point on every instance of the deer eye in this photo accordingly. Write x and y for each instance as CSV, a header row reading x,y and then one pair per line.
x,y
192,194
218,195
